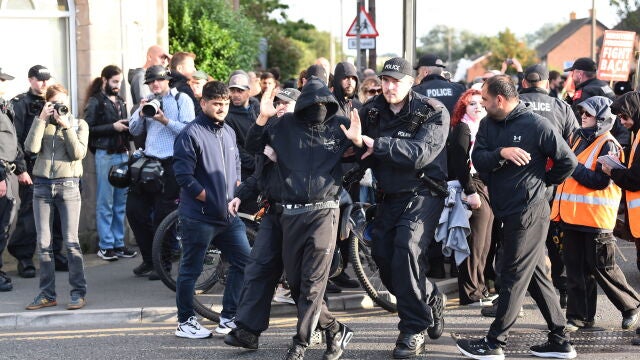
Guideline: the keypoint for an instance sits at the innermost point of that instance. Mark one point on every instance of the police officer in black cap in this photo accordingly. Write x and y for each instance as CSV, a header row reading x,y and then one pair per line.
x,y
434,85
405,139
22,245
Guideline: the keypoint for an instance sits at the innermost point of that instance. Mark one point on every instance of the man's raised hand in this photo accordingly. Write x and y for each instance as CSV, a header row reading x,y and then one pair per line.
x,y
354,133
267,109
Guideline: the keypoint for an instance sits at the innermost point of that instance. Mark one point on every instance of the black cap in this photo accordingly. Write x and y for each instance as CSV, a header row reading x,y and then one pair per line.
x,y
156,72
40,72
584,64
397,68
535,73
288,94
5,76
430,60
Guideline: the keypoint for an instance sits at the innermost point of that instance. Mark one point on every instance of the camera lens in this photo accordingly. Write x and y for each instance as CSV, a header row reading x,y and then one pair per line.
x,y
150,109
61,109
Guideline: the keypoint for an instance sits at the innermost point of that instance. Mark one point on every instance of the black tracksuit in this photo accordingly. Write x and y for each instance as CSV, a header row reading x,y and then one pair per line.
x,y
408,213
304,200
518,200
436,86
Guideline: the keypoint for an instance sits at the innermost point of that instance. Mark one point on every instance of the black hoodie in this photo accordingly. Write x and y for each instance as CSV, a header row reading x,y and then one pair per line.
x,y
343,70
629,103
309,153
181,83
513,188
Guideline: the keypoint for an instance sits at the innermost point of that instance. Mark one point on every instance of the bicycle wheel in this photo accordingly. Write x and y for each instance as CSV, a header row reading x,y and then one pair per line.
x,y
368,274
167,252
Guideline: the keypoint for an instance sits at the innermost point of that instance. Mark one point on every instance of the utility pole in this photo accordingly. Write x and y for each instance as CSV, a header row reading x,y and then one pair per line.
x,y
409,30
373,55
593,30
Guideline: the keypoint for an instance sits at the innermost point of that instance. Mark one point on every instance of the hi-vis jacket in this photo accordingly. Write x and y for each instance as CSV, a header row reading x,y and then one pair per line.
x,y
633,198
577,204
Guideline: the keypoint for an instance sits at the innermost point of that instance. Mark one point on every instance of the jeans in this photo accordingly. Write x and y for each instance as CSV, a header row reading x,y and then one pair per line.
x,y
231,239
64,196
110,201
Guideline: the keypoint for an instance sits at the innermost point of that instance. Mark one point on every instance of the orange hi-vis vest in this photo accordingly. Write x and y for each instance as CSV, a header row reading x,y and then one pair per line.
x,y
633,198
579,205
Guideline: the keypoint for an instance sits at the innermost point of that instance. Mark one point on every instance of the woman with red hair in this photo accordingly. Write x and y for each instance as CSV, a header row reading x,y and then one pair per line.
x,y
466,117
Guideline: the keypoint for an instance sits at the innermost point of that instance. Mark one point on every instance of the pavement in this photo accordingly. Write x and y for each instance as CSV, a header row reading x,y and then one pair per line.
x,y
116,296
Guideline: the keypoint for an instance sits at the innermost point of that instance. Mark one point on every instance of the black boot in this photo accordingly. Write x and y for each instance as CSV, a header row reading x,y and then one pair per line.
x,y
408,345
337,341
437,304
240,337
26,269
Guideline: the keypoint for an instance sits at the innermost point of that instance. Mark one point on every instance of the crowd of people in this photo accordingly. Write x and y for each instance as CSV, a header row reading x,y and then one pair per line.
x,y
544,179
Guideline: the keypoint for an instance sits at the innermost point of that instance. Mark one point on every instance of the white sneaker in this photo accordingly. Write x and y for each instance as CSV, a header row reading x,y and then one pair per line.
x,y
192,329
283,295
225,326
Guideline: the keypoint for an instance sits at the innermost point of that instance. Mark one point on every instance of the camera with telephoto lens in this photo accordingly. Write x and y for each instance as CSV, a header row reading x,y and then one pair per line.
x,y
60,108
151,108
509,61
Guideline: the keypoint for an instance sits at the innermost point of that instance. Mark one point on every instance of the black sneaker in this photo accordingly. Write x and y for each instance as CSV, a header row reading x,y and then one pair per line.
x,y
107,254
437,304
26,269
143,269
552,349
337,342
344,281
295,352
332,288
408,345
479,349
5,282
125,252
240,337
491,311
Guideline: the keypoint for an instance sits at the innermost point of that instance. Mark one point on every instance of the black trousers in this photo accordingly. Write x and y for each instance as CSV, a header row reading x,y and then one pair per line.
x,y
146,210
307,250
591,259
555,249
521,264
7,211
403,229
471,284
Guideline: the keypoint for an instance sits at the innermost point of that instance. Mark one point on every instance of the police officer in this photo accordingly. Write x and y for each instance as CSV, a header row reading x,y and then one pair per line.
x,y
22,245
434,85
405,138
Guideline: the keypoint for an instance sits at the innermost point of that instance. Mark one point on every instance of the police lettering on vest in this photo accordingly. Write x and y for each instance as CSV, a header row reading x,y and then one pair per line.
x,y
439,92
540,106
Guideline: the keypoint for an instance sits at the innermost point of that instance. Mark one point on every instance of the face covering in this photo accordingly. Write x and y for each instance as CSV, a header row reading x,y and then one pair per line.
x,y
315,113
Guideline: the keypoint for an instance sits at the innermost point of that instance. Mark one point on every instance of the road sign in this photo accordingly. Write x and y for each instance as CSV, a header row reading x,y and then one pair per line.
x,y
365,43
615,56
367,27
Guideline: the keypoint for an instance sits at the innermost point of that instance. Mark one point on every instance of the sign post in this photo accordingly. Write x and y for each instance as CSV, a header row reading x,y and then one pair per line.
x,y
615,55
364,30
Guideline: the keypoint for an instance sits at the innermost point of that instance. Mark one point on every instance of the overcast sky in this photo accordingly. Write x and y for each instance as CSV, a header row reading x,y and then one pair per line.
x,y
486,17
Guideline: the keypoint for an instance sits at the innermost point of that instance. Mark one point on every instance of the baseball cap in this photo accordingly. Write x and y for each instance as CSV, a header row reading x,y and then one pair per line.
x,y
40,72
156,72
288,94
200,75
535,73
4,76
584,64
397,68
430,60
239,81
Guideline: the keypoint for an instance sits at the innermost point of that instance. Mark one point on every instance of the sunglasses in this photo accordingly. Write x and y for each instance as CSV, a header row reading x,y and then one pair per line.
x,y
584,113
374,91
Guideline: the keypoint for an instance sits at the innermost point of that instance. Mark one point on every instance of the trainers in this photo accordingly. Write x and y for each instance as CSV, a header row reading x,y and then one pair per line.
x,y
437,304
295,352
332,288
491,311
5,282
143,269
317,337
26,269
226,325
76,303
283,295
125,252
479,349
192,329
344,281
240,337
107,254
487,301
629,321
337,341
552,349
408,345
41,301
575,325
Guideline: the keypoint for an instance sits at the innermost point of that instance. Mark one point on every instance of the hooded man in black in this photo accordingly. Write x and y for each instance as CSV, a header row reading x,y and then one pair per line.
x,y
345,88
309,144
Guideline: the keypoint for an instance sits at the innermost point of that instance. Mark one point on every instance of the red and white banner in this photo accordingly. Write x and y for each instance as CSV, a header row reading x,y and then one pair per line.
x,y
616,54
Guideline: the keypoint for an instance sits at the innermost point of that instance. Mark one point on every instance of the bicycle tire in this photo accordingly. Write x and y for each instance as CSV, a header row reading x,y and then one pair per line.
x,y
166,253
368,274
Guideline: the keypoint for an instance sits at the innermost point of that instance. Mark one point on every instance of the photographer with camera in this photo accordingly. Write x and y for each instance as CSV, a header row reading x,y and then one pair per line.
x,y
152,197
59,142
106,114
22,245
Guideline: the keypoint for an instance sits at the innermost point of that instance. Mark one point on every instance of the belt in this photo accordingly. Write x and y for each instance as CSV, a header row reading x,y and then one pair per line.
x,y
293,209
118,151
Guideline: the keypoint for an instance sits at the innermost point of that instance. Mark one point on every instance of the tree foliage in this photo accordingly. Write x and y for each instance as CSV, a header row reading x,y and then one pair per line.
x,y
542,34
508,46
629,13
443,41
223,40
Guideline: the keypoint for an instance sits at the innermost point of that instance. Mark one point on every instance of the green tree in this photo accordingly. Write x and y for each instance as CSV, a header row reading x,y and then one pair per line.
x,y
442,40
542,34
222,39
506,45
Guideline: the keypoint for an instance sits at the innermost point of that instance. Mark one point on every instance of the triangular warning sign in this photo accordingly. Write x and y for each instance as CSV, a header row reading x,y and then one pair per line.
x,y
367,27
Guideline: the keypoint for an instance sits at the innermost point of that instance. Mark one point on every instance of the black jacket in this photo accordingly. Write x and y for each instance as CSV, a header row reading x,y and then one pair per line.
x,y
309,154
26,107
100,114
240,120
629,179
399,154
343,70
557,111
513,188
436,86
181,83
